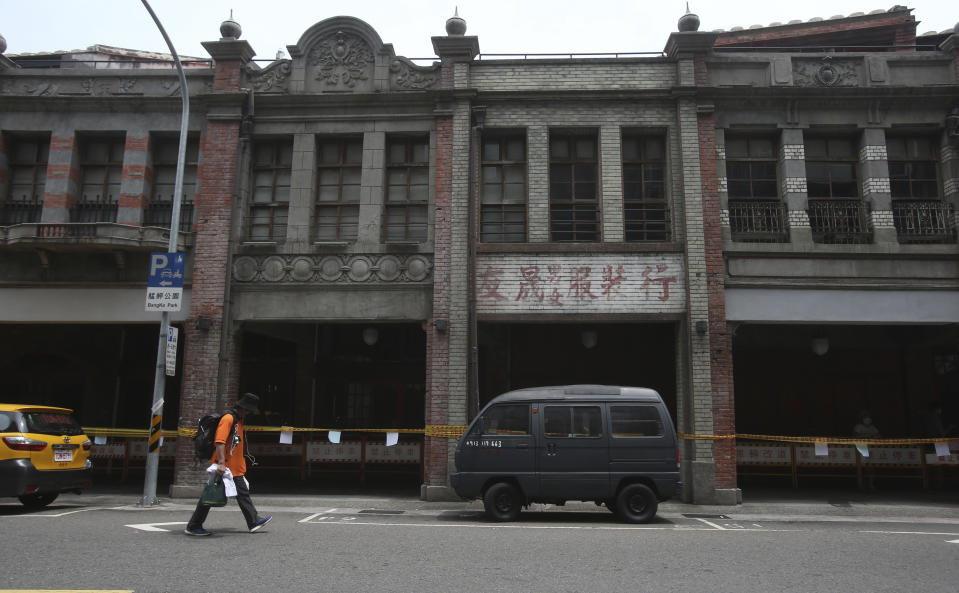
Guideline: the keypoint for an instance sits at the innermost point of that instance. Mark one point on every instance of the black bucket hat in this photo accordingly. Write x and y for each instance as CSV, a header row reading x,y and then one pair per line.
x,y
250,402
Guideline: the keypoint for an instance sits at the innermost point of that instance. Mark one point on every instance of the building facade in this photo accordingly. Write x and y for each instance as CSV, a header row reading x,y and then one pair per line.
x,y
379,245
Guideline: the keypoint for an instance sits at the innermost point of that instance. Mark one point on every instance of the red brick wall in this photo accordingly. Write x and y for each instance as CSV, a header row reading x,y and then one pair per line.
x,y
437,344
900,24
721,364
61,151
213,212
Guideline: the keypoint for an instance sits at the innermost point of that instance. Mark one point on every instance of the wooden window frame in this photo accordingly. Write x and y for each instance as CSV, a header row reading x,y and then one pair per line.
x,y
580,230
277,208
342,231
404,202
638,224
493,212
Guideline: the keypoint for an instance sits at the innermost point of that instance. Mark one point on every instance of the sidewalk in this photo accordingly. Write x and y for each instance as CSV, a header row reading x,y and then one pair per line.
x,y
758,504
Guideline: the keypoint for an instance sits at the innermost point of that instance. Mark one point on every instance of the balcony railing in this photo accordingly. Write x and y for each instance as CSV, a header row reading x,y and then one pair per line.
x,y
94,212
755,221
839,222
924,221
20,212
160,213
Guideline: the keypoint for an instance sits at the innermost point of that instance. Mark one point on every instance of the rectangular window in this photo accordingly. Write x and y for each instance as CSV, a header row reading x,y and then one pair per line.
x,y
270,202
645,208
751,164
339,165
573,186
159,211
635,421
913,168
407,189
506,420
27,163
101,170
573,422
831,168
503,192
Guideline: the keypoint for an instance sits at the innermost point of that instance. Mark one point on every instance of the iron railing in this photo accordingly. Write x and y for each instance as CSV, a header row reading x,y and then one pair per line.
x,y
924,221
839,222
647,223
94,212
758,221
20,213
70,230
161,213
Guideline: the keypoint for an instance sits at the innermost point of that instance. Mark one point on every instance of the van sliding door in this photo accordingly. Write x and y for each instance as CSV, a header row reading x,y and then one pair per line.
x,y
574,458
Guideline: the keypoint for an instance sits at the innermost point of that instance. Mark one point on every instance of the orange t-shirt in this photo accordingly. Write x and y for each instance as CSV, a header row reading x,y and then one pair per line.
x,y
235,460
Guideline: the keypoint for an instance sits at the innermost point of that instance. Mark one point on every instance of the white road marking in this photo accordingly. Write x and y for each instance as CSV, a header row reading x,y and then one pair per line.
x,y
57,514
153,526
713,525
914,533
313,516
952,541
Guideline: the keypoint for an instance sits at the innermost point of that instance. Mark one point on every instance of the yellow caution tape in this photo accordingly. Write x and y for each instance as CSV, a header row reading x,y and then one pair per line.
x,y
827,440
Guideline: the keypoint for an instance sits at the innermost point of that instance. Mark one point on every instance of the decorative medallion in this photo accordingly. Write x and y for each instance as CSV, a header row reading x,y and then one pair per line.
x,y
328,269
417,268
331,268
343,60
360,269
388,268
302,269
274,269
825,72
244,269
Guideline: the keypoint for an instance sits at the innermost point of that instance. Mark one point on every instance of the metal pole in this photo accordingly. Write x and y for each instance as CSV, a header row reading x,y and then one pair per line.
x,y
159,384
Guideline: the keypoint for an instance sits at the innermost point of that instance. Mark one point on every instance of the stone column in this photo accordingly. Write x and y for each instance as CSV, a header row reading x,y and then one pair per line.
x,y
611,176
876,192
792,165
136,180
299,228
709,466
448,359
210,368
537,171
63,177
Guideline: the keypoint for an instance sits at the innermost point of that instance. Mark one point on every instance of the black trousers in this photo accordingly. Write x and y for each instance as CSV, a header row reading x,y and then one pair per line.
x,y
242,498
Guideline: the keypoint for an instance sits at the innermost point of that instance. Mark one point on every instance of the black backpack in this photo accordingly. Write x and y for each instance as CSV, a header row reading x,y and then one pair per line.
x,y
203,445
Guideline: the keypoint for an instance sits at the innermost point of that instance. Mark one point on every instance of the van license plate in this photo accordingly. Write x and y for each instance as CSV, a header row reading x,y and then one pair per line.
x,y
63,454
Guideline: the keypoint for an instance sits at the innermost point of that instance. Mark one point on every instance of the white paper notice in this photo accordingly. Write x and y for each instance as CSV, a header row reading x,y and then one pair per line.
x,y
863,449
822,449
942,450
392,438
334,436
286,437
160,443
99,440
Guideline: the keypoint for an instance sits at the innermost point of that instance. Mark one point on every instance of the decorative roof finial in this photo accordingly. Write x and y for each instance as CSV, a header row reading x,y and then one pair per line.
x,y
456,26
230,29
689,22
3,44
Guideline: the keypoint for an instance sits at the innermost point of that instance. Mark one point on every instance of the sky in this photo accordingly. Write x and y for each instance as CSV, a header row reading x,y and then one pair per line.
x,y
502,26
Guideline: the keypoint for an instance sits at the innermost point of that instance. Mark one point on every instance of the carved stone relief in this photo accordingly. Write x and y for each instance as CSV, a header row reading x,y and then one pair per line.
x,y
825,72
96,87
274,78
324,269
408,76
342,60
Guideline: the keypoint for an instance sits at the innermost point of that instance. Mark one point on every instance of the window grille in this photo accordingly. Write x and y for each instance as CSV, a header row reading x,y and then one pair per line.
x,y
573,186
503,189
645,208
407,189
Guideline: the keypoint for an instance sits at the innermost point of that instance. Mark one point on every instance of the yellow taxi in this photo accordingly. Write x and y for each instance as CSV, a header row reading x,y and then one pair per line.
x,y
43,452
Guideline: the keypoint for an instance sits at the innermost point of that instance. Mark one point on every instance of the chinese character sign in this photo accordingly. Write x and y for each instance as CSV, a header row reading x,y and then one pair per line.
x,y
580,283
165,281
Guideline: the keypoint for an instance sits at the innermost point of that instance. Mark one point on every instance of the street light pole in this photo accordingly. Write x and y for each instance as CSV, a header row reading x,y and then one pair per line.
x,y
159,384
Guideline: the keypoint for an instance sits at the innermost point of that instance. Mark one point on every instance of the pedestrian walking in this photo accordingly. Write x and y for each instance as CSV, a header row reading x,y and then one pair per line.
x,y
230,454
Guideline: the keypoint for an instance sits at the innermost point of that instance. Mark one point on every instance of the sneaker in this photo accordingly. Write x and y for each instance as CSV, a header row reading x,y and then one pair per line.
x,y
260,523
197,531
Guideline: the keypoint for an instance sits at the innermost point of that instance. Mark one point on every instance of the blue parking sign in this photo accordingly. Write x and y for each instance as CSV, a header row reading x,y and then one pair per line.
x,y
165,281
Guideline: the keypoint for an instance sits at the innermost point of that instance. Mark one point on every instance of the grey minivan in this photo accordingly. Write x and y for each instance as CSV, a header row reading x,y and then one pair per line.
x,y
612,445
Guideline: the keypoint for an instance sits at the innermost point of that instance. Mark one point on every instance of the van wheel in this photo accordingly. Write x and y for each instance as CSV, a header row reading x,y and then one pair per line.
x,y
502,502
636,503
38,501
